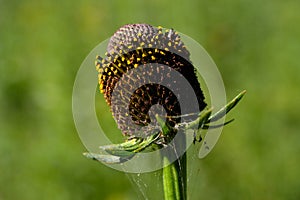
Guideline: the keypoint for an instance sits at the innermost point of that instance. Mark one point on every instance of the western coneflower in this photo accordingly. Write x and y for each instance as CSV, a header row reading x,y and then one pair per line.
x,y
136,74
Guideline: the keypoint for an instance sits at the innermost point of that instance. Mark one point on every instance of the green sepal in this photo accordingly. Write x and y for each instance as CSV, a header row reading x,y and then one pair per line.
x,y
109,159
224,110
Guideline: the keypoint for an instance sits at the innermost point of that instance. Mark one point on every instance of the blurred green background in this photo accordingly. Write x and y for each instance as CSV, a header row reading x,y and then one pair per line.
x,y
255,44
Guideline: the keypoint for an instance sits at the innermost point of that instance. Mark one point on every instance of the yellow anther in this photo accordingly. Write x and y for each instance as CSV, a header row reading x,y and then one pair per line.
x,y
138,59
128,62
101,86
150,45
144,55
166,49
123,58
150,52
135,65
152,57
169,44
135,39
142,43
162,53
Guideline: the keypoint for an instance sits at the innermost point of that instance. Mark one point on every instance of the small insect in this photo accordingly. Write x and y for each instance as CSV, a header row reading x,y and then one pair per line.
x,y
136,55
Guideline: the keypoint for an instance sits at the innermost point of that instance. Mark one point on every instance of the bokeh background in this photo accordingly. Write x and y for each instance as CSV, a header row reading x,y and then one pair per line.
x,y
256,45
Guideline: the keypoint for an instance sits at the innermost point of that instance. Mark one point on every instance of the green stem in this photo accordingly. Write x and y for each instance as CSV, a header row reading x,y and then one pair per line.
x,y
174,174
174,179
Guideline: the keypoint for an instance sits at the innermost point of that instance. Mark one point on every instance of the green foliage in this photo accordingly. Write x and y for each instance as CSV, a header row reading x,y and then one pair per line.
x,y
42,44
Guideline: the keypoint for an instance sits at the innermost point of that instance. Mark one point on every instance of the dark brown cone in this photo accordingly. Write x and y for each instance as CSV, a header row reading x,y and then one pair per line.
x,y
141,46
